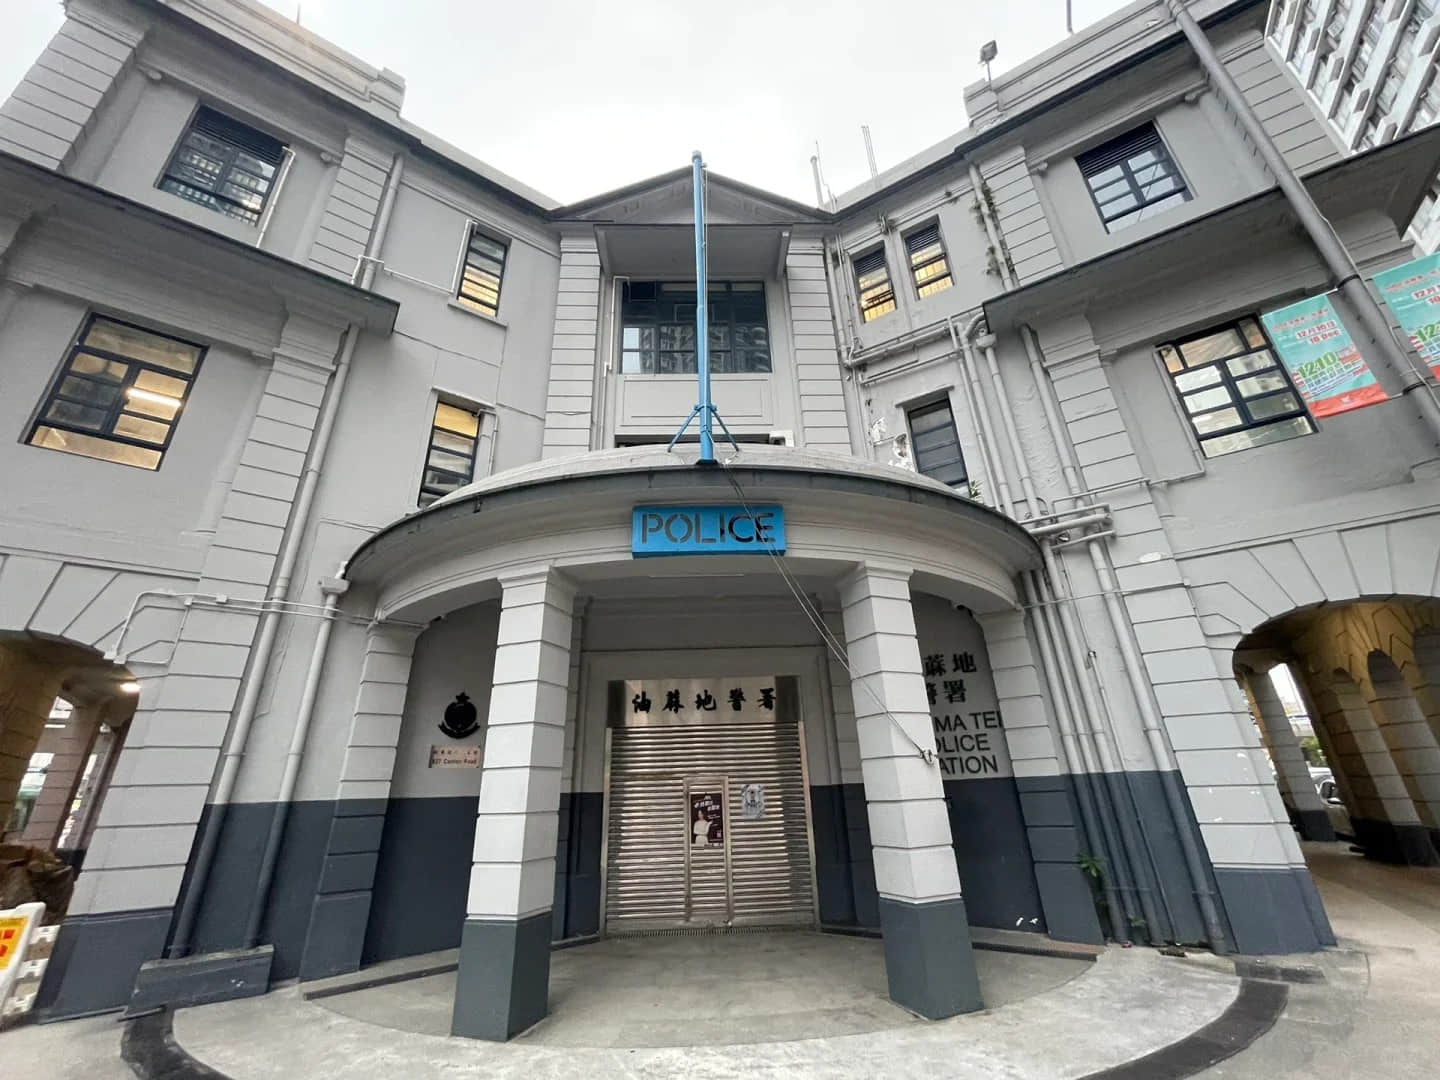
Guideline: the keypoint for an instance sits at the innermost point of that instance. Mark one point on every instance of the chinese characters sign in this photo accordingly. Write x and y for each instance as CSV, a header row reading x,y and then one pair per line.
x,y
969,734
1316,349
721,700
455,757
707,819
707,530
1413,293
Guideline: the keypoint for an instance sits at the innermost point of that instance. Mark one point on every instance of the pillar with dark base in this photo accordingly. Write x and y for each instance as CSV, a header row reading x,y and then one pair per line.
x,y
502,985
929,965
1292,774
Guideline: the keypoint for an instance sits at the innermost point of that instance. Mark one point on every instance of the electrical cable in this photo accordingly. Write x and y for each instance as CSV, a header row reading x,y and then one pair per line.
x,y
816,620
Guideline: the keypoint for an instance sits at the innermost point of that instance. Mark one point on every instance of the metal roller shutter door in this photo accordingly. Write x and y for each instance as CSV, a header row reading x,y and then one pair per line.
x,y
649,828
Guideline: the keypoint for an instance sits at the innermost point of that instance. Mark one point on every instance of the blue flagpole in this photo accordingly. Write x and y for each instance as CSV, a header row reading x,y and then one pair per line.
x,y
702,316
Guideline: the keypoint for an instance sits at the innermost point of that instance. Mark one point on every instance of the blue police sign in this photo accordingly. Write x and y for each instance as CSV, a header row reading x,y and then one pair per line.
x,y
707,530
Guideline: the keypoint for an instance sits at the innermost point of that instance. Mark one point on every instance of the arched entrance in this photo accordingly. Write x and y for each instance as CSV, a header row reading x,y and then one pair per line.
x,y
64,712
1364,673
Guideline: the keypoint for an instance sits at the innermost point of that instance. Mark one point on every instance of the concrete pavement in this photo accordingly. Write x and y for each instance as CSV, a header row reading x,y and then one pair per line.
x,y
1370,1009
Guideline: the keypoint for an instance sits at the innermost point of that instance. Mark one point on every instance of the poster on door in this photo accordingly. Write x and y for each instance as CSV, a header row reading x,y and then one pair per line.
x,y
1412,292
707,819
964,709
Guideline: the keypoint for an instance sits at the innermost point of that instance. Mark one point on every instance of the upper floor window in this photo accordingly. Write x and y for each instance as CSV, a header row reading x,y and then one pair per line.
x,y
1132,178
1234,390
118,395
936,445
873,276
450,457
928,264
481,274
225,165
657,335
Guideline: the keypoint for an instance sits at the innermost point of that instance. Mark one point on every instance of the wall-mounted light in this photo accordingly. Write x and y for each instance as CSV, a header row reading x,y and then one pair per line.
x,y
130,686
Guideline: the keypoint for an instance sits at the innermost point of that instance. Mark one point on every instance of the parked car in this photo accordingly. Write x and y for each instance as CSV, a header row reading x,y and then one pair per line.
x,y
1329,792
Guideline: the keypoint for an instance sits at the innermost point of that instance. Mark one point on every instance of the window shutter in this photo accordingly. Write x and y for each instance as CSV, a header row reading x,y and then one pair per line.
x,y
869,264
923,238
1118,150
256,144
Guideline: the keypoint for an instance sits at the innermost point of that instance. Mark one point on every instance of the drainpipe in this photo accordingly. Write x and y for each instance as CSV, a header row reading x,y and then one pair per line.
x,y
1124,631
847,351
289,556
1098,826
1109,758
333,588
1395,360
987,467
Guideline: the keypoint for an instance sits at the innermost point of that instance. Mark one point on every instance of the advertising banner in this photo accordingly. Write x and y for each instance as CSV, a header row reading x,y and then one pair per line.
x,y
1316,349
1413,293
707,819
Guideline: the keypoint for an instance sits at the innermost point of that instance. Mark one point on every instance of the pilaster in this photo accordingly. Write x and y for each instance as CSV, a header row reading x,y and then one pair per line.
x,y
929,964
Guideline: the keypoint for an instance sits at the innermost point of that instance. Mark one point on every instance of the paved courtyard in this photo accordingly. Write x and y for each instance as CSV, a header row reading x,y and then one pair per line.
x,y
799,1004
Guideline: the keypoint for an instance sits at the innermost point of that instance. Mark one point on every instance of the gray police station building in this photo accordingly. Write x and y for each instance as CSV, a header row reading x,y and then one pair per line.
x,y
338,519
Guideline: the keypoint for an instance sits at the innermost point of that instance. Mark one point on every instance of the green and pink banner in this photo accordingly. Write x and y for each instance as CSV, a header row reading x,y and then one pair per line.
x,y
1316,349
1413,293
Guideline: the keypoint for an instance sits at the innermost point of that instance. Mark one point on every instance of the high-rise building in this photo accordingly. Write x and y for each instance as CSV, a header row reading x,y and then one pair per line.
x,y
1372,69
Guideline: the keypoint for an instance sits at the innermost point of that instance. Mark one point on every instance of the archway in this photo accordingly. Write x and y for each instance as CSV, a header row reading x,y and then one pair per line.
x,y
64,711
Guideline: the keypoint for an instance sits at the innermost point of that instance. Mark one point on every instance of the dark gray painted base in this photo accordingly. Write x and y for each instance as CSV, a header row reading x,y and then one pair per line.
x,y
340,911
203,979
95,960
929,963
1274,911
225,907
992,851
577,865
1047,804
422,875
1403,845
503,984
1312,824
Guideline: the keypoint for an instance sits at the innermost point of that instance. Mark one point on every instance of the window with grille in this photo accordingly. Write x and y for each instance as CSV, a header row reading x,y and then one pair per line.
x,y
1233,389
450,458
1132,178
481,275
224,165
118,395
928,265
657,333
877,297
936,444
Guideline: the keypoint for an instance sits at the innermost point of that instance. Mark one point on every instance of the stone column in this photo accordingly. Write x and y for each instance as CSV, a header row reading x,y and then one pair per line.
x,y
1292,774
502,986
928,960
1381,813
71,747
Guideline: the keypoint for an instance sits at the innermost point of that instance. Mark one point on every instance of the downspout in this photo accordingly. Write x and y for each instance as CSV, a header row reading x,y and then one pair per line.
x,y
847,352
1096,825
1395,360
1094,709
1124,631
289,556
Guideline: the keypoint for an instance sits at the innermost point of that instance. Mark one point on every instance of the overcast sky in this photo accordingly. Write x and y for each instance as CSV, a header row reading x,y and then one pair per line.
x,y
575,98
